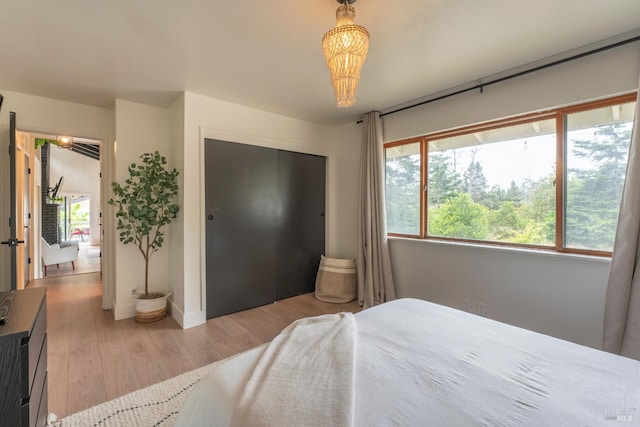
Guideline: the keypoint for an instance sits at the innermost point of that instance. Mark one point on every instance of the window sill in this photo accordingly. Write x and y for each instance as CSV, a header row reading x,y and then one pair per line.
x,y
501,248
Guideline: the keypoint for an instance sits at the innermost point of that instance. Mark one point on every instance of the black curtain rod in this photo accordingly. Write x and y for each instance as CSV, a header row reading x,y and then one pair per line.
x,y
514,75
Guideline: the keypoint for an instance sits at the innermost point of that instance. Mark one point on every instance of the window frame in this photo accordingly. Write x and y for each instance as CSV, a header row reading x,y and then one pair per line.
x,y
557,114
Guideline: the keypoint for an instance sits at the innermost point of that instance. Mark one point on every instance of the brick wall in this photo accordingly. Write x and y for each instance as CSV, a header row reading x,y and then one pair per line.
x,y
50,213
50,221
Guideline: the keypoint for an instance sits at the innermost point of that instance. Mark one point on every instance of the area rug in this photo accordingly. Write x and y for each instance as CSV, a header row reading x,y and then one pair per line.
x,y
156,405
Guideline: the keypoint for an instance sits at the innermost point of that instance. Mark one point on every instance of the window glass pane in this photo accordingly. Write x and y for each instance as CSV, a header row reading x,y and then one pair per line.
x,y
402,188
597,150
494,185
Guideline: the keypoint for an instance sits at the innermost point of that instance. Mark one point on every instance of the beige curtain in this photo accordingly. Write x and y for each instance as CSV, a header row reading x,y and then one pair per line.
x,y
622,309
375,281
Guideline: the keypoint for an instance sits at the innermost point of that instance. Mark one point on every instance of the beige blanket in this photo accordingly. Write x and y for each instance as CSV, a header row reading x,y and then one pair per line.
x,y
305,376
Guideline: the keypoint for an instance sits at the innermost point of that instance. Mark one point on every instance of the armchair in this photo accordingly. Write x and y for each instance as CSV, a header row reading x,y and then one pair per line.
x,y
54,254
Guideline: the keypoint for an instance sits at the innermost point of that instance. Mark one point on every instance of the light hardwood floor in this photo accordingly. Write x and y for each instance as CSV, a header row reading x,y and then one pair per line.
x,y
92,358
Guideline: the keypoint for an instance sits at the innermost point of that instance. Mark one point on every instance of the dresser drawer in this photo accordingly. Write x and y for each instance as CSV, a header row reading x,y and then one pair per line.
x,y
34,411
43,411
31,348
23,358
38,385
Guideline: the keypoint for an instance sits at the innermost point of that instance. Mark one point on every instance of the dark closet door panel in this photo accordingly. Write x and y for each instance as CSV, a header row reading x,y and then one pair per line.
x,y
241,210
301,219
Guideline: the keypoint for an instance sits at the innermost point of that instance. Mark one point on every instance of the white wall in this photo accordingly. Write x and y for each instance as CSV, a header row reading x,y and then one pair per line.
x,y
602,75
558,294
46,115
81,177
139,129
50,116
176,241
207,117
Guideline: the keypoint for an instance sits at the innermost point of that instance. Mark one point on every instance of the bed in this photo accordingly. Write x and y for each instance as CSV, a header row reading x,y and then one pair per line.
x,y
419,363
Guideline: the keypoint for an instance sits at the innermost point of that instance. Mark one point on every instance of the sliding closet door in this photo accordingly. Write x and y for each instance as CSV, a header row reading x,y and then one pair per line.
x,y
301,218
241,217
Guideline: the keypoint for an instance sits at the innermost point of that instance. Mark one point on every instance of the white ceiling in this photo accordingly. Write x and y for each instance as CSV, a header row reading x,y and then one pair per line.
x,y
267,53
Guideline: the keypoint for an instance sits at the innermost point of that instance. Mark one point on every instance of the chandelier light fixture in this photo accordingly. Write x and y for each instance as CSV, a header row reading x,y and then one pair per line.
x,y
345,50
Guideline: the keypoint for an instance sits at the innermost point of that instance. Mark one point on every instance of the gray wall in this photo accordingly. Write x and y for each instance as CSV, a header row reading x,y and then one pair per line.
x,y
556,294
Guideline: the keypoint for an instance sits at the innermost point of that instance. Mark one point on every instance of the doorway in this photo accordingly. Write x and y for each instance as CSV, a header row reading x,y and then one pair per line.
x,y
70,201
26,223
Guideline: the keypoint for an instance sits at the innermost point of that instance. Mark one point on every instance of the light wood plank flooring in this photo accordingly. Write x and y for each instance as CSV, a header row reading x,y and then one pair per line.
x,y
93,358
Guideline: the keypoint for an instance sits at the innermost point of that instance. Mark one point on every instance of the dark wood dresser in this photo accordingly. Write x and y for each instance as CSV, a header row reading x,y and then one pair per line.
x,y
23,358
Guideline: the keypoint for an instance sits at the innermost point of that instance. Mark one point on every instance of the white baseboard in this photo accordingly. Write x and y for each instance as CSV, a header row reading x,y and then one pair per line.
x,y
176,313
188,320
124,311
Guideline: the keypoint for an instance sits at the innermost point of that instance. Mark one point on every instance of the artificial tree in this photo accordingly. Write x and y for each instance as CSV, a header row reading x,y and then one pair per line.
x,y
145,204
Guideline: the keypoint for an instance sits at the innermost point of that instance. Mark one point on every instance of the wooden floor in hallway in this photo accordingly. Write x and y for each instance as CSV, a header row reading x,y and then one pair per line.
x,y
92,358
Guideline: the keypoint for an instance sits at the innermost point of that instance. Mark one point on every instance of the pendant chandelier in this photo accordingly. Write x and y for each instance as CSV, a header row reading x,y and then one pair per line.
x,y
345,49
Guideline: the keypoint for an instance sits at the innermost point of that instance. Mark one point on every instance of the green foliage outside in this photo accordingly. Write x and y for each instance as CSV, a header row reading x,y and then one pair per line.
x,y
79,217
593,195
40,142
460,216
403,194
145,204
461,204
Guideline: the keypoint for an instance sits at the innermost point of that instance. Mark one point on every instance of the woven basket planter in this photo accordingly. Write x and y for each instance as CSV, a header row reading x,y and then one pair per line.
x,y
336,281
151,310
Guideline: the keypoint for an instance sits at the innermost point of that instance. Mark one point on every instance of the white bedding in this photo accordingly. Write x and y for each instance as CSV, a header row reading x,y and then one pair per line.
x,y
419,363
316,346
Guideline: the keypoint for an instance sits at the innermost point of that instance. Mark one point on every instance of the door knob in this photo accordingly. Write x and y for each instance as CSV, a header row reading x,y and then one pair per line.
x,y
12,242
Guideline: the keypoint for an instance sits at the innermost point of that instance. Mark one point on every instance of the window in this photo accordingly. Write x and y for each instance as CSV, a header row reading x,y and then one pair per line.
x,y
549,180
597,150
74,217
494,185
402,189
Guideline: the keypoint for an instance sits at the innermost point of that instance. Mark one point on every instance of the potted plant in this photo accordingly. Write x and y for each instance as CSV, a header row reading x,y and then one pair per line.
x,y
144,205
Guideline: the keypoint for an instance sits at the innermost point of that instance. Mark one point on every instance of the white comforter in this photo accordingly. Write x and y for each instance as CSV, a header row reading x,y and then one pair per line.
x,y
419,363
323,349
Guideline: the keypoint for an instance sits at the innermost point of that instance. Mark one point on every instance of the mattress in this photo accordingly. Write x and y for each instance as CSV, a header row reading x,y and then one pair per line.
x,y
419,363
